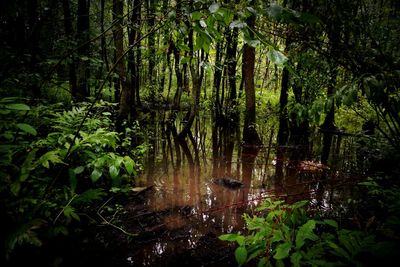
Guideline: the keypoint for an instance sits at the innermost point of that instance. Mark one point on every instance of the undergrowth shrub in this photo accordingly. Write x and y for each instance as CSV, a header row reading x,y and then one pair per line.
x,y
283,235
55,169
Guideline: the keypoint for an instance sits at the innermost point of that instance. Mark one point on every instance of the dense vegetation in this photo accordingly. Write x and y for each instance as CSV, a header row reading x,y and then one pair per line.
x,y
80,81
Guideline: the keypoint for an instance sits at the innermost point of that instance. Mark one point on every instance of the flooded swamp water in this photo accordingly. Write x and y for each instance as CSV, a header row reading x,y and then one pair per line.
x,y
198,189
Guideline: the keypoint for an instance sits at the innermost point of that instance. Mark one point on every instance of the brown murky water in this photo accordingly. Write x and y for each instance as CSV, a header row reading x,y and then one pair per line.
x,y
186,210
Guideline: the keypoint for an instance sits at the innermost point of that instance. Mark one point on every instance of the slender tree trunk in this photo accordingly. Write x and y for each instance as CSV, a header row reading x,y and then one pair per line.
x,y
133,68
33,41
104,55
179,77
250,135
217,81
283,133
69,33
197,76
118,34
82,31
232,42
164,39
151,15
329,125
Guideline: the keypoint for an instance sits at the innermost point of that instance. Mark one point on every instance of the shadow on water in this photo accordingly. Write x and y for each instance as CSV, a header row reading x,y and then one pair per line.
x,y
193,199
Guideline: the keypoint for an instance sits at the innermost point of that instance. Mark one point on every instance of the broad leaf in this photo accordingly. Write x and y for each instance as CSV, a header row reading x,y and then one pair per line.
x,y
233,237
214,8
299,204
197,15
79,169
295,259
276,57
96,174
331,223
129,165
275,11
27,128
69,212
113,172
21,107
241,255
72,179
51,156
15,187
282,251
306,231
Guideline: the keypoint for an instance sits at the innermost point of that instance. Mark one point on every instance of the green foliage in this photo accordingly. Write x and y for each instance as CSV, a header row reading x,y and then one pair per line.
x,y
284,234
53,174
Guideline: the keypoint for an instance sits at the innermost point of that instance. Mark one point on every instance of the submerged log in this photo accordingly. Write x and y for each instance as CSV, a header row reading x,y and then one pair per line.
x,y
228,182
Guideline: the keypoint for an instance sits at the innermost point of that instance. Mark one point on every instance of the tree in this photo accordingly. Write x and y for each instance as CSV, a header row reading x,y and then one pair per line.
x,y
118,34
83,36
250,135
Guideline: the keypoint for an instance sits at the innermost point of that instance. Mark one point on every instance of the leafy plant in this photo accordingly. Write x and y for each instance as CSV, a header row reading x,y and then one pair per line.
x,y
284,235
48,182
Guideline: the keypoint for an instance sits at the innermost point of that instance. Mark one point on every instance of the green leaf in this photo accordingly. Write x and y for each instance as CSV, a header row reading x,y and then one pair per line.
x,y
79,169
15,188
185,60
279,263
52,156
277,236
72,179
262,262
276,57
233,237
21,107
214,8
90,195
299,204
331,223
240,240
228,237
114,171
26,128
338,250
282,251
275,11
241,255
129,165
295,259
69,212
306,231
197,15
227,15
96,174
252,43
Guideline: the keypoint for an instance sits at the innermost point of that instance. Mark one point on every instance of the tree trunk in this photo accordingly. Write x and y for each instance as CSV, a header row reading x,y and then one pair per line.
x,y
118,34
83,36
283,133
133,68
197,75
104,56
151,14
69,33
250,135
33,41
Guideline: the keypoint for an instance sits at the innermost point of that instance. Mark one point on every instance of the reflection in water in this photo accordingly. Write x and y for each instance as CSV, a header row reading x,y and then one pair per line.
x,y
192,206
